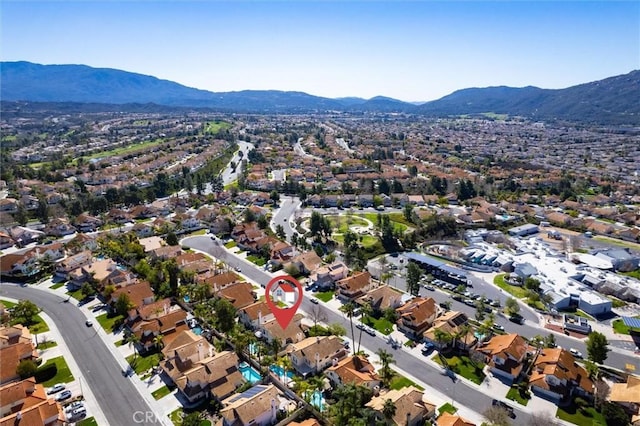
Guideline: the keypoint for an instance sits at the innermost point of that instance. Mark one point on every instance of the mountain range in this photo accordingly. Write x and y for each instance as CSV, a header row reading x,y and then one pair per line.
x,y
612,101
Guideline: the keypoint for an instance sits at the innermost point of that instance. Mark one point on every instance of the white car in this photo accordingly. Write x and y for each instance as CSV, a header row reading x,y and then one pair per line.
x,y
575,353
55,388
74,406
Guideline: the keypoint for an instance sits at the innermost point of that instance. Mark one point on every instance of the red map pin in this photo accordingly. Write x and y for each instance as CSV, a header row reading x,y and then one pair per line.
x,y
283,290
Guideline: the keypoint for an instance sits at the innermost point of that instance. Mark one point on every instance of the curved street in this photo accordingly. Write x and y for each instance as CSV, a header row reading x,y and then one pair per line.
x,y
117,396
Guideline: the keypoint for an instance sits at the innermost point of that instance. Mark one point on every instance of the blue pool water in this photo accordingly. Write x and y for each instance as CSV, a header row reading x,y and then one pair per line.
x,y
279,371
317,400
197,330
186,298
249,373
253,349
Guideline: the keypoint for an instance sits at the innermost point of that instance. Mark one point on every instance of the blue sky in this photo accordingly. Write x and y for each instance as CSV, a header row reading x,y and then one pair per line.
x,y
410,50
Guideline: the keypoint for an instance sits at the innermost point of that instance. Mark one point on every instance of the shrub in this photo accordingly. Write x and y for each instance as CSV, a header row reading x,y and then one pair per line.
x,y
26,368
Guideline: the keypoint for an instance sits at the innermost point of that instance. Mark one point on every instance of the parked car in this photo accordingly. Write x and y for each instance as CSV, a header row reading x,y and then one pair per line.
x,y
498,327
575,353
495,303
370,331
429,287
78,413
360,326
469,302
66,394
88,323
427,348
55,388
73,406
314,300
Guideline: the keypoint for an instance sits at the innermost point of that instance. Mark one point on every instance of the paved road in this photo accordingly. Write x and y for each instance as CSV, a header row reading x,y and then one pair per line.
x,y
116,395
228,176
284,215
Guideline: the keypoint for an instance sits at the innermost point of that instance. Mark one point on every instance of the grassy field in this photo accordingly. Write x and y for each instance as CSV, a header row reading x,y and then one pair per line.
x,y
39,326
383,325
257,260
620,327
143,146
581,417
342,223
109,323
463,366
515,395
76,294
161,392
447,408
87,422
140,364
325,296
214,127
516,291
63,374
367,241
56,286
616,242
47,345
398,382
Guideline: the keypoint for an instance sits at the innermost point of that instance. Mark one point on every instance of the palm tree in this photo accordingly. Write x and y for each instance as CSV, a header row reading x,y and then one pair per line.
x,y
463,331
349,309
158,341
132,340
389,410
366,311
385,372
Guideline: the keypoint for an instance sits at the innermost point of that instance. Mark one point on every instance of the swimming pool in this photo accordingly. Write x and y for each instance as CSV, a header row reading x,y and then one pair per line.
x,y
279,371
197,330
249,373
186,298
317,400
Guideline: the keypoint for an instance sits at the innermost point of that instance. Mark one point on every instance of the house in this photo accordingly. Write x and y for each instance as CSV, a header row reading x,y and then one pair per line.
x,y
556,376
417,316
59,227
9,205
446,419
451,322
168,325
183,352
22,264
23,236
146,311
165,252
306,262
354,369
272,329
222,280
151,243
281,252
81,242
257,406
352,287
71,263
143,230
325,277
6,241
505,356
256,314
26,403
314,354
411,409
307,422
97,270
87,223
15,346
240,294
627,394
382,298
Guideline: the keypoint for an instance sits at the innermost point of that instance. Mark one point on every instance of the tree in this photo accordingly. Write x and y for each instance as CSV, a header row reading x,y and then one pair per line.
x,y
123,304
497,416
614,414
336,329
442,338
172,239
225,315
132,340
389,410
27,368
25,313
413,278
193,419
280,232
511,306
87,290
541,419
386,359
597,347
317,315
348,309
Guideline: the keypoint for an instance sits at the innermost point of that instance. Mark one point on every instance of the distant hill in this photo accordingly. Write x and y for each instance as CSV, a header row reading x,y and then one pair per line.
x,y
610,101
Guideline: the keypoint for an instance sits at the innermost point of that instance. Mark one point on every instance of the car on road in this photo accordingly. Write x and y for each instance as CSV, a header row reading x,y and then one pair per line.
x,y
495,303
575,352
429,287
370,331
506,407
360,326
469,302
314,300
517,319
88,323
498,327
238,269
73,406
66,394
56,388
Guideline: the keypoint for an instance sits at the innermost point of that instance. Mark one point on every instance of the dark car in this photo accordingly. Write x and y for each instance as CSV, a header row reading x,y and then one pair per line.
x,y
517,319
314,301
506,407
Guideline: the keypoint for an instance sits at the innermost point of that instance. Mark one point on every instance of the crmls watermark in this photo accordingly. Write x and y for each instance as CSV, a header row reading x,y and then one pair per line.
x,y
146,417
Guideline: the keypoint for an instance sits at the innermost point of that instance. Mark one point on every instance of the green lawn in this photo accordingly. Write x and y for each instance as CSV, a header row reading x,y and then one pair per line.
x,y
142,146
230,244
515,395
47,345
63,374
366,241
109,323
581,417
39,326
516,291
383,325
462,365
119,343
161,392
256,260
398,382
76,294
141,364
56,286
214,127
87,422
325,296
620,327
176,416
447,408
342,223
